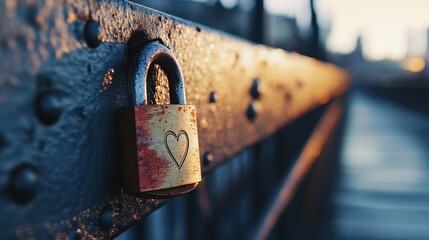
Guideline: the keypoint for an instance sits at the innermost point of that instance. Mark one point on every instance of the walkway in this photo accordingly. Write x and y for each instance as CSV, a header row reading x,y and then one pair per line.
x,y
382,189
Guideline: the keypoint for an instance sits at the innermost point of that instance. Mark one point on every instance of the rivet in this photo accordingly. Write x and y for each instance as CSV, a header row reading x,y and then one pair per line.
x,y
207,158
23,183
48,107
91,33
106,218
251,112
255,90
212,97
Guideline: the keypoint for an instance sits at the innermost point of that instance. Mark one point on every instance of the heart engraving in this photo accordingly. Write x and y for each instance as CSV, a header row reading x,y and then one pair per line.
x,y
179,164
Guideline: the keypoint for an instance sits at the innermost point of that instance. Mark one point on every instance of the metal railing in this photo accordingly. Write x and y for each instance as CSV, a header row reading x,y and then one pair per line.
x,y
63,72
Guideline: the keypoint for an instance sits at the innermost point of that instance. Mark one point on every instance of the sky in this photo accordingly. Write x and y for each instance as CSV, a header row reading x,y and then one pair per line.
x,y
386,26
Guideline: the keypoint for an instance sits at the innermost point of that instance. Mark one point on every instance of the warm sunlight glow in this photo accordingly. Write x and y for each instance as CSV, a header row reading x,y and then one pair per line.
x,y
414,65
389,28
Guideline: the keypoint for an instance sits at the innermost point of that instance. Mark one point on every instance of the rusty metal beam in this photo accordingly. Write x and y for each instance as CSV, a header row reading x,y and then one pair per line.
x,y
63,76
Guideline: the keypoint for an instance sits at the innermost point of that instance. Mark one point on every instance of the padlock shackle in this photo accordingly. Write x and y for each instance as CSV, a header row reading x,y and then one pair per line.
x,y
150,54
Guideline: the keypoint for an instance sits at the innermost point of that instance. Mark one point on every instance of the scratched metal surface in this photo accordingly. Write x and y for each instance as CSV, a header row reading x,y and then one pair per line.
x,y
52,49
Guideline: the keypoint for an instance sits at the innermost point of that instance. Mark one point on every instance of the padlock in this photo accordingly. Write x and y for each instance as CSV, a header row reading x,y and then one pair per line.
x,y
159,143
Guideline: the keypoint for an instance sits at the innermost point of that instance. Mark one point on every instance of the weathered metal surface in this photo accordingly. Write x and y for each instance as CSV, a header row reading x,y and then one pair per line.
x,y
63,77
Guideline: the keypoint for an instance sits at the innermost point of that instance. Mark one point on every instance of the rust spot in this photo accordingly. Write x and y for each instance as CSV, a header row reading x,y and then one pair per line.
x,y
152,167
160,110
193,118
107,79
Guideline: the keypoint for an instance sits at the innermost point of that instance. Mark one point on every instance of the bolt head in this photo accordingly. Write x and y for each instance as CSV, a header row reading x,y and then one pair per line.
x,y
207,159
255,90
23,184
212,97
91,33
251,112
48,107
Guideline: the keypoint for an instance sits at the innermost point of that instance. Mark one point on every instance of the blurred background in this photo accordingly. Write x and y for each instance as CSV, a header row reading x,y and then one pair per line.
x,y
375,174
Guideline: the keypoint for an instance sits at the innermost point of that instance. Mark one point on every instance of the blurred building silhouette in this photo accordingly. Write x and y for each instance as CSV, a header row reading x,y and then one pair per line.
x,y
409,71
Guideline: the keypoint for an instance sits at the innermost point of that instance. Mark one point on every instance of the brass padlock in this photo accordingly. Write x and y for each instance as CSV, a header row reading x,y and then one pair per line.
x,y
159,143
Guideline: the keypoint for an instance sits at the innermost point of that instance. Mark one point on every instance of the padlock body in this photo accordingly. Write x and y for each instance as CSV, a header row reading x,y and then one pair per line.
x,y
159,147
